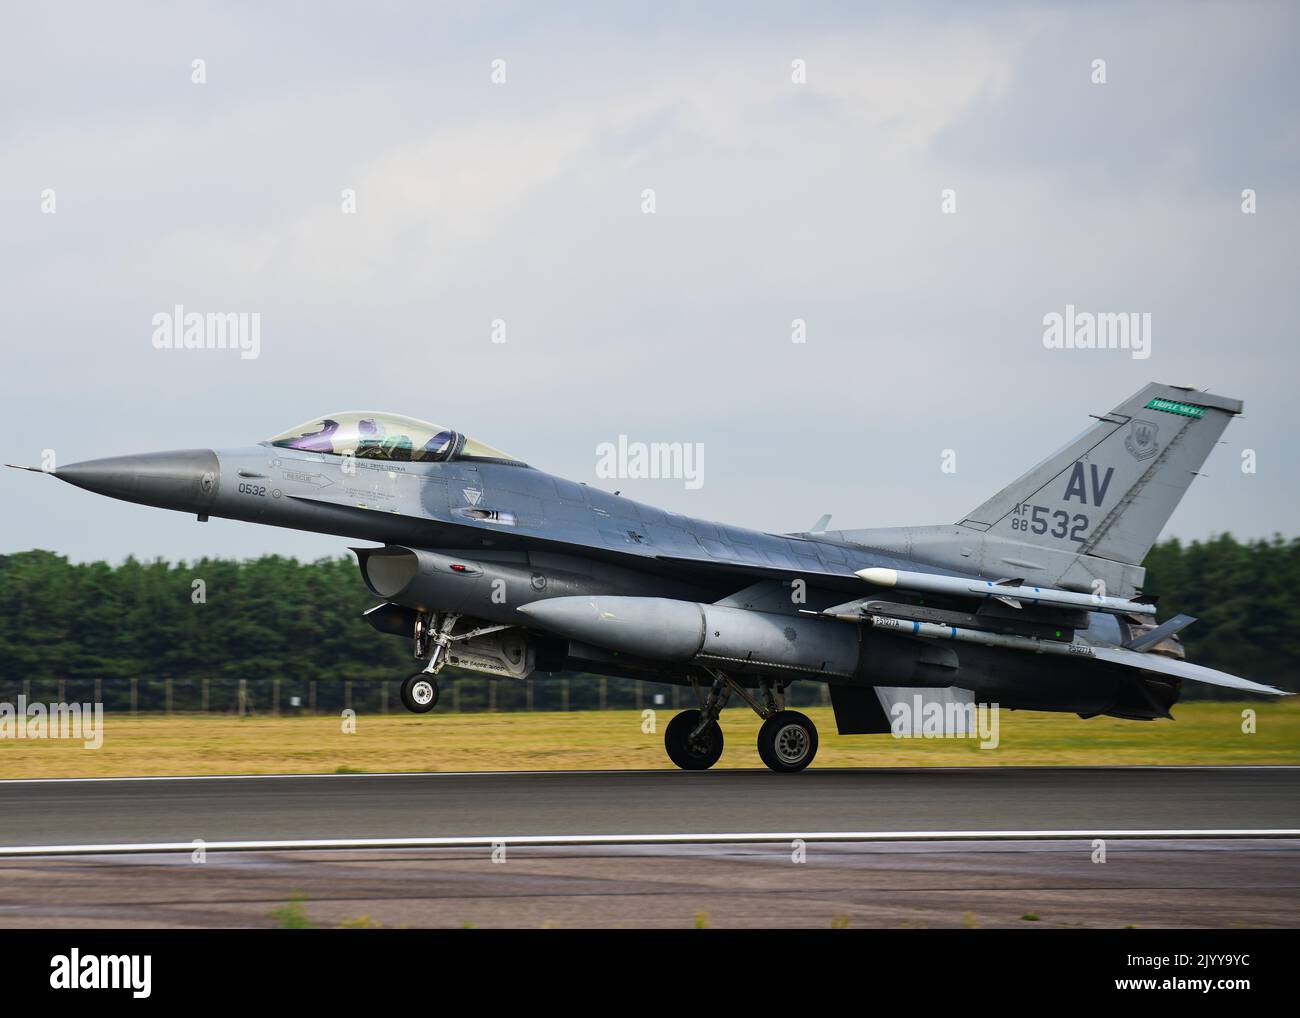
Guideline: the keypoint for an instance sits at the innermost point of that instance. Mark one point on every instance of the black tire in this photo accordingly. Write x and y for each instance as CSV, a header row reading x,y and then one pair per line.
x,y
787,742
699,755
420,693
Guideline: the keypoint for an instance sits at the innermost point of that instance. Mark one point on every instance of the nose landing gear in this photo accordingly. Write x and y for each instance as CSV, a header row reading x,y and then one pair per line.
x,y
432,638
420,693
434,634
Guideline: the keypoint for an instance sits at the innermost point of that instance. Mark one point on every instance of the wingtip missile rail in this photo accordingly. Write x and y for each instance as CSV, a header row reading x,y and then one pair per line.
x,y
1013,592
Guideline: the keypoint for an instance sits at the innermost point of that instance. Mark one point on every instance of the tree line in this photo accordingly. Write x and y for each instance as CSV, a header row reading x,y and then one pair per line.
x,y
190,632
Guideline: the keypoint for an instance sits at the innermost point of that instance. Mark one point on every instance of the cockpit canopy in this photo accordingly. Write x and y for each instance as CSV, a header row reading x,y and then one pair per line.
x,y
368,435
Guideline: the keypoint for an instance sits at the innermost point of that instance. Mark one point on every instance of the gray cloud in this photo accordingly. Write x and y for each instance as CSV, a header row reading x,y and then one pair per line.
x,y
521,202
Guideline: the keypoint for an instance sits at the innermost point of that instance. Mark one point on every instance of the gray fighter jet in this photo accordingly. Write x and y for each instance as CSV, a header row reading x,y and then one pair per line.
x,y
1032,601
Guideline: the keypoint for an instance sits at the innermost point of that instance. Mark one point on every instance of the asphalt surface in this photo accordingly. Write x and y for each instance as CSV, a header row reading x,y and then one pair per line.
x,y
1042,884
134,811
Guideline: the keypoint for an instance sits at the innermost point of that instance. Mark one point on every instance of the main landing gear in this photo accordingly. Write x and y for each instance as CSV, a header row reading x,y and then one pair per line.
x,y
693,741
787,742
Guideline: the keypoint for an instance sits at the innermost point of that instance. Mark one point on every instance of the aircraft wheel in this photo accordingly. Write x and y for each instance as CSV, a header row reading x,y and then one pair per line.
x,y
420,693
787,742
697,755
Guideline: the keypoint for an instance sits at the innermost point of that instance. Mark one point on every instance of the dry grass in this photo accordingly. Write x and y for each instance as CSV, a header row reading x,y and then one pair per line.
x,y
1205,733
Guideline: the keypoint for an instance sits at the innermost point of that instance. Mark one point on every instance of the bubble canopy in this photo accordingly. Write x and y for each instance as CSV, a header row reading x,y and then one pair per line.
x,y
369,435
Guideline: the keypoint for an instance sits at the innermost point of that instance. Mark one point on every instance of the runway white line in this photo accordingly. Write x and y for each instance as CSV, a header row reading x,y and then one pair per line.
x,y
992,768
478,841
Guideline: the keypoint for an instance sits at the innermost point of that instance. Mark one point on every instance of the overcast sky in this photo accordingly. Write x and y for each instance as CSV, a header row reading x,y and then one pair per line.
x,y
523,201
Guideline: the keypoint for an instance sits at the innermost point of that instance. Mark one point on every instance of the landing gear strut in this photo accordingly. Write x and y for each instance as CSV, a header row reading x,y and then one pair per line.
x,y
432,638
787,742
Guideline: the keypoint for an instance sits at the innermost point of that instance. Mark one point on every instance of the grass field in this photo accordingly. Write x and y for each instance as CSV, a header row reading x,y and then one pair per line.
x,y
1205,733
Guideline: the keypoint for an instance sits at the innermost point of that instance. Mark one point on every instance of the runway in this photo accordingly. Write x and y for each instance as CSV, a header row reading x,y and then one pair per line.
x,y
1022,800
876,876
1203,883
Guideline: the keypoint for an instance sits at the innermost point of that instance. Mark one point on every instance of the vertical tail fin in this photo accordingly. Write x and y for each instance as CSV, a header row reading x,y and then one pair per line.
x,y
1109,493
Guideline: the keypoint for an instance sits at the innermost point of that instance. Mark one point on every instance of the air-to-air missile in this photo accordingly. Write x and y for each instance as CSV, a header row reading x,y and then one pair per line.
x,y
1012,592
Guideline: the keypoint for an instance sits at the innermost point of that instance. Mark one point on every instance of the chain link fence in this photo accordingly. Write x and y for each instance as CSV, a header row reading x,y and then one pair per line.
x,y
460,691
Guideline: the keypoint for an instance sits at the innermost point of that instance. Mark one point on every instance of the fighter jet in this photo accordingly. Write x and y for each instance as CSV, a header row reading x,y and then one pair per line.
x,y
1032,601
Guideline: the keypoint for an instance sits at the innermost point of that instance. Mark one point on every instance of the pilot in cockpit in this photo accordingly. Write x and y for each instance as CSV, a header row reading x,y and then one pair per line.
x,y
316,441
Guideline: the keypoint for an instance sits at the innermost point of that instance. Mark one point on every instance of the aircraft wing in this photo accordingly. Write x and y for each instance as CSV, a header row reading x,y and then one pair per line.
x,y
702,567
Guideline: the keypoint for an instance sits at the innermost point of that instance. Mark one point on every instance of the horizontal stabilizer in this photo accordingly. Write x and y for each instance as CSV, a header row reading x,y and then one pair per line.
x,y
1182,670
1120,656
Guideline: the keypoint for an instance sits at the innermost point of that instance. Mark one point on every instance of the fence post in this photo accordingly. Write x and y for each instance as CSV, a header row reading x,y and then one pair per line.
x,y
243,696
135,692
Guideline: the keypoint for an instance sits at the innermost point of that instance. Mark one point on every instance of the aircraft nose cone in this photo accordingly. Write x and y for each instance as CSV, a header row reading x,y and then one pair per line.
x,y
186,479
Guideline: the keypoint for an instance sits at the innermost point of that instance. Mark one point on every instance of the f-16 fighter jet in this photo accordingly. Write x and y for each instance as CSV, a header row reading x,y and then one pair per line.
x,y
1033,600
